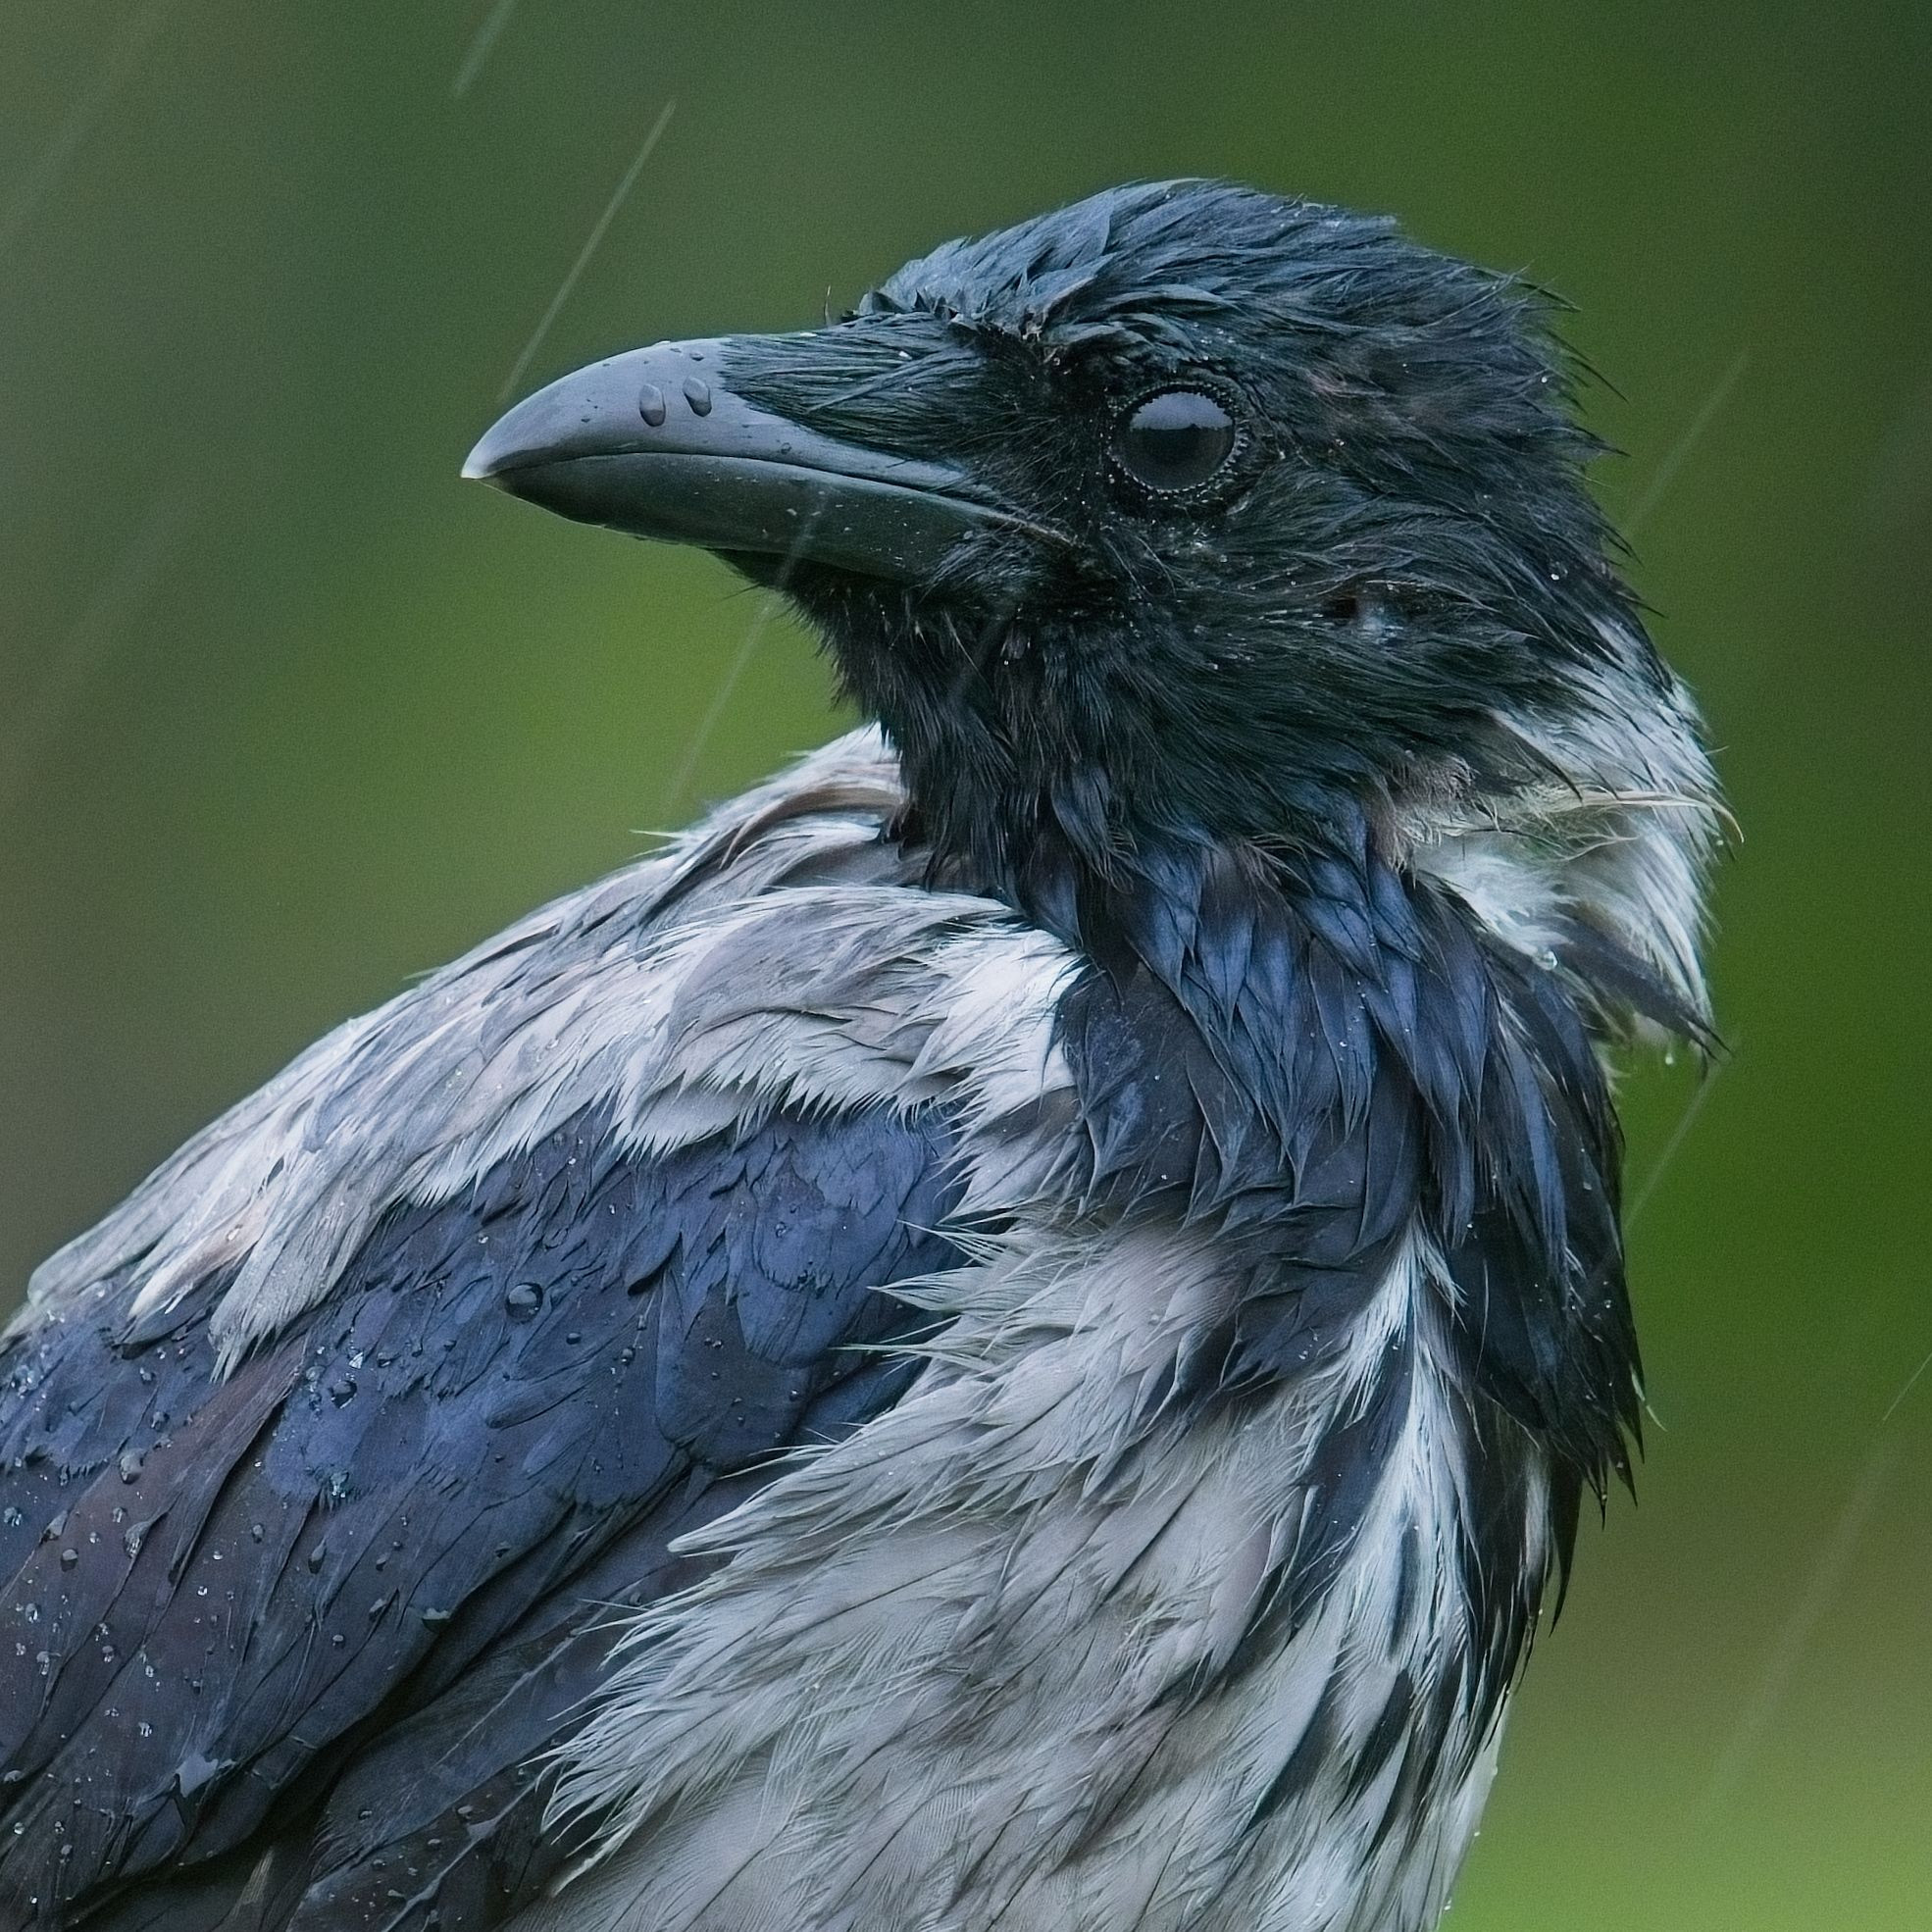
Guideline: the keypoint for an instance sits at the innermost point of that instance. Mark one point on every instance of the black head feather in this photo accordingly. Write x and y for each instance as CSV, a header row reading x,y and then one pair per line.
x,y
1396,582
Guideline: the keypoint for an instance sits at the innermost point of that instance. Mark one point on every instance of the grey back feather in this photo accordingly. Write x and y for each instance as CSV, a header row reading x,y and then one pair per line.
x,y
775,951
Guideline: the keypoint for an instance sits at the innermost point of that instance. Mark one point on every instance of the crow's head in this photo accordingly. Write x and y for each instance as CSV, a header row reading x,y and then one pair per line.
x,y
1181,508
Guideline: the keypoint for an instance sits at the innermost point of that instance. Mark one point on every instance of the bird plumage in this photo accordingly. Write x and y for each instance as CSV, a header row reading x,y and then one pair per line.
x,y
1011,1332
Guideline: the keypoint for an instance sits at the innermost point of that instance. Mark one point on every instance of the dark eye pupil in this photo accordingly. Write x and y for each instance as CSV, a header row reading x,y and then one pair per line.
x,y
1175,441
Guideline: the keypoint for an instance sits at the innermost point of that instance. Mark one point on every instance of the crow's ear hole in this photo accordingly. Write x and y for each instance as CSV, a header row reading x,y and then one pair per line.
x,y
1369,610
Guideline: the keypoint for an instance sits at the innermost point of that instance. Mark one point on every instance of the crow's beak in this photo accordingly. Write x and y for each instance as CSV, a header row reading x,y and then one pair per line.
x,y
655,443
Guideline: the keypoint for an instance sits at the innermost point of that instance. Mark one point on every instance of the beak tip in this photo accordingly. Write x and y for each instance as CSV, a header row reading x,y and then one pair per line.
x,y
482,464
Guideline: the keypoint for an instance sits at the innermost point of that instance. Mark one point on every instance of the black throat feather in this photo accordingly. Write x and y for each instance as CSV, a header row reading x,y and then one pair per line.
x,y
1314,1054
1286,1033
1317,1053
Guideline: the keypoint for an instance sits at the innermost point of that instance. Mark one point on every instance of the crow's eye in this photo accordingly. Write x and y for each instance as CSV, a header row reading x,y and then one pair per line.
x,y
1176,442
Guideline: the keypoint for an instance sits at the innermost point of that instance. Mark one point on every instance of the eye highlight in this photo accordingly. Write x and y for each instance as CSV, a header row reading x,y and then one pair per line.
x,y
1176,442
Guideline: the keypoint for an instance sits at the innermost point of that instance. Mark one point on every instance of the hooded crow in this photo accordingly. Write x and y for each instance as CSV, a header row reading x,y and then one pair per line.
x,y
1010,1332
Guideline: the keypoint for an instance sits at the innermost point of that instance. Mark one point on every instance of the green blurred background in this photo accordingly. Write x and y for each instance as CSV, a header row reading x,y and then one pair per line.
x,y
287,714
